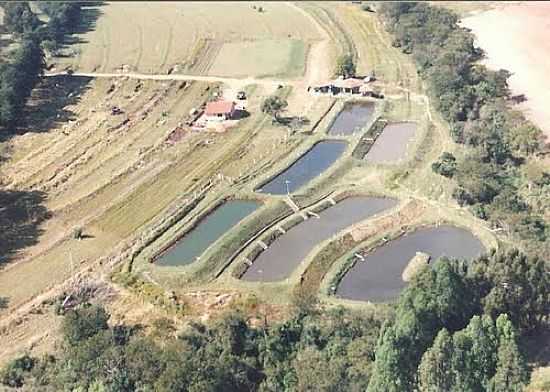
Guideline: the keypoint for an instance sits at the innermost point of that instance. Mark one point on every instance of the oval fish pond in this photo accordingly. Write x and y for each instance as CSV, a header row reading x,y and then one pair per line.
x,y
353,117
379,277
304,169
290,249
208,230
391,145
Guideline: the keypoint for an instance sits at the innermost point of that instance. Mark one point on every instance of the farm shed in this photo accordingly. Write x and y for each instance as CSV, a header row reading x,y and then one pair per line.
x,y
340,86
219,110
347,86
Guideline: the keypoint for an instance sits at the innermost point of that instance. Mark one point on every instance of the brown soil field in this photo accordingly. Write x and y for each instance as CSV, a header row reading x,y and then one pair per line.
x,y
515,37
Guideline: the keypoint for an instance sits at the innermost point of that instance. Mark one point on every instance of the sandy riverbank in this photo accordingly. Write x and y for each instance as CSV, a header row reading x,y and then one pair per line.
x,y
516,37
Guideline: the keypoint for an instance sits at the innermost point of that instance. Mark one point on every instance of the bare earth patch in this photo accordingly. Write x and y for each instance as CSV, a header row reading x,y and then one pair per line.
x,y
515,37
419,261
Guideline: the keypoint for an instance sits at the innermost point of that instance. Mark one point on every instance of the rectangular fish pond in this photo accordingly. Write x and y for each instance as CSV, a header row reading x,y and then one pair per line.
x,y
379,278
353,117
314,162
391,146
281,258
208,230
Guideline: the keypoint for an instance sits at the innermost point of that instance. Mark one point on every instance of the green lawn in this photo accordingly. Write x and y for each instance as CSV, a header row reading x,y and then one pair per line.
x,y
284,58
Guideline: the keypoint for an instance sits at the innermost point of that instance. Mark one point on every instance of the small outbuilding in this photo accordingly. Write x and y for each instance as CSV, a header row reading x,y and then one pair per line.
x,y
219,110
347,86
341,86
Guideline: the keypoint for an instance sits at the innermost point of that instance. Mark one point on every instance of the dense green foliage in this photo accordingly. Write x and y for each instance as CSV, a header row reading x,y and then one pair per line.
x,y
418,349
26,64
18,78
19,18
445,165
63,19
483,356
452,331
345,66
473,100
274,105
226,356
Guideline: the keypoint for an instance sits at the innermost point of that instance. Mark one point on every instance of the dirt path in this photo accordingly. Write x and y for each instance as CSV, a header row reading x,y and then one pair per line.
x,y
211,79
319,65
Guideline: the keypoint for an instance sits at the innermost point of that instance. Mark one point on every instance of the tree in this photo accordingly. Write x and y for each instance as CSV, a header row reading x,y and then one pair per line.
x,y
478,342
434,372
445,165
274,105
18,17
18,78
468,360
515,284
436,298
478,181
525,138
345,66
84,323
389,374
312,373
13,375
511,373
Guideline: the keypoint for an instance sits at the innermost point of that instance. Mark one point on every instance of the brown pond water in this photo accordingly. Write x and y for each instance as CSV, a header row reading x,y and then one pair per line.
x,y
353,117
391,145
290,249
378,278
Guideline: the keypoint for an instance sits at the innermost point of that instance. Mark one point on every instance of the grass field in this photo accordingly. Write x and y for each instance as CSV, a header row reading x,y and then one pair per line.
x,y
154,37
260,58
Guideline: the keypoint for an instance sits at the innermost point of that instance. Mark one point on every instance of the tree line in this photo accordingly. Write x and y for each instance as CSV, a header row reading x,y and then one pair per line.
x,y
498,171
457,327
26,64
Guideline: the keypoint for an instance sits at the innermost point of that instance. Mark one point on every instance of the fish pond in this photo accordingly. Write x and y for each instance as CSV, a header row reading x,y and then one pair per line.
x,y
352,118
285,254
206,232
314,162
391,146
379,277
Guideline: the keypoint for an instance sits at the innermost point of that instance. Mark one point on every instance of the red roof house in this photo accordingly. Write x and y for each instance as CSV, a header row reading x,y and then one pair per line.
x,y
219,110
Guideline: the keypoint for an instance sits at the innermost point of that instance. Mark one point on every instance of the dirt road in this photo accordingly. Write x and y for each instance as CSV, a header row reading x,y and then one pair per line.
x,y
211,79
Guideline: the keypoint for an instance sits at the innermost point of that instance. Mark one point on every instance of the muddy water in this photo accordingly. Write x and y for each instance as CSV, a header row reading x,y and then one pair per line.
x,y
208,230
353,117
287,251
378,278
307,167
391,145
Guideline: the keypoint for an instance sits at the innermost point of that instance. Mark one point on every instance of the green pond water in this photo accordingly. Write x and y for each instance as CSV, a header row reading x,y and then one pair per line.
x,y
209,229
